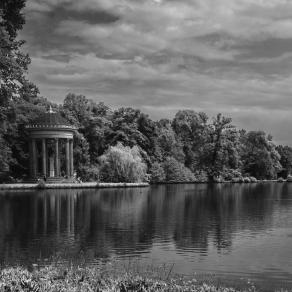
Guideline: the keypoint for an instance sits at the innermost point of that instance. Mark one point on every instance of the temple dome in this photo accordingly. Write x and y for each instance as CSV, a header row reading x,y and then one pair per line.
x,y
50,119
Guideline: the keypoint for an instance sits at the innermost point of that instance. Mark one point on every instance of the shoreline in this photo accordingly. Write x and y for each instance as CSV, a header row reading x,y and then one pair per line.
x,y
218,182
85,185
112,277
95,185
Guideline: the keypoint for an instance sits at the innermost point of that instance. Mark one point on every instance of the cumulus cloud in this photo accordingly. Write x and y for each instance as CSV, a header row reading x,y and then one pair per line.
x,y
232,56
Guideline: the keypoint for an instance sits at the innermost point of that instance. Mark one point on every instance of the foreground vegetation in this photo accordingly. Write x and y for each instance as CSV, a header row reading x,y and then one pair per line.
x,y
53,278
125,145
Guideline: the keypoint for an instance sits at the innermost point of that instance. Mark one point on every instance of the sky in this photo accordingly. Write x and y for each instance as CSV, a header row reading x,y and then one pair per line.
x,y
161,56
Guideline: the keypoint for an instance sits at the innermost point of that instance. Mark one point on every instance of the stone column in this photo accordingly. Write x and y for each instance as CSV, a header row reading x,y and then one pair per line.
x,y
44,157
47,157
71,158
34,158
57,160
67,158
31,174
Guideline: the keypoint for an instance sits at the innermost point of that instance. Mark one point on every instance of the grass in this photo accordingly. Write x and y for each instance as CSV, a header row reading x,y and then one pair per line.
x,y
92,279
110,277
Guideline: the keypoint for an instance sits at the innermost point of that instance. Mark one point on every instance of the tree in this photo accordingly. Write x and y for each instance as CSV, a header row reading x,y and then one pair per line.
x,y
16,92
192,130
92,120
131,127
175,171
148,129
168,142
77,109
157,173
13,62
286,159
259,155
81,155
21,113
223,145
123,164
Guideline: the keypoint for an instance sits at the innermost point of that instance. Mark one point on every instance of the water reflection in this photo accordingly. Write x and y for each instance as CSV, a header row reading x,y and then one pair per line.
x,y
195,220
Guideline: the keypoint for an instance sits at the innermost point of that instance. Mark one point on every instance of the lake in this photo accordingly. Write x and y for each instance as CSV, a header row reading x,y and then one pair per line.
x,y
241,232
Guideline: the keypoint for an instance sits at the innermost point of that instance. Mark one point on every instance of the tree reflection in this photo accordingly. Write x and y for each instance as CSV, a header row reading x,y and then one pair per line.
x,y
102,223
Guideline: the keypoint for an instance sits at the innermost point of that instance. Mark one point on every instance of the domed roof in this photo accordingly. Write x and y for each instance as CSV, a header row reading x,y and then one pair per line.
x,y
50,119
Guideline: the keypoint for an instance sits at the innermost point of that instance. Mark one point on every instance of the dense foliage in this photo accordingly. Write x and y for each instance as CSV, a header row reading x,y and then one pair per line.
x,y
125,144
19,100
122,164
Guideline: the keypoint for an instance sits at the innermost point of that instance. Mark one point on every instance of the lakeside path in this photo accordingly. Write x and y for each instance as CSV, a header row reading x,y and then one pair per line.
x,y
17,186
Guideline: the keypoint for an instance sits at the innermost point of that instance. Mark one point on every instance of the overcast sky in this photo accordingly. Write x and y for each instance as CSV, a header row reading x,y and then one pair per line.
x,y
229,56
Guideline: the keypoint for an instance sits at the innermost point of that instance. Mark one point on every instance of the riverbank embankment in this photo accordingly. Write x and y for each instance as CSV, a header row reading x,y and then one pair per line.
x,y
25,186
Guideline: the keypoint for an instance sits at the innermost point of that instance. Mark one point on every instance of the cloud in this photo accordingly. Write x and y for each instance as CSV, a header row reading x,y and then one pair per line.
x,y
231,56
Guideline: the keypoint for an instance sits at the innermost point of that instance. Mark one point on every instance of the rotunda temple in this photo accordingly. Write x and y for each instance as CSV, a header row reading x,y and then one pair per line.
x,y
51,147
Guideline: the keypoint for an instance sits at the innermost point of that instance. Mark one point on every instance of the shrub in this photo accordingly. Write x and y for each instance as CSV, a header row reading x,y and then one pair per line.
x,y
41,184
246,180
289,178
218,179
201,176
253,179
280,179
229,174
6,178
157,173
89,173
238,179
188,175
176,171
123,164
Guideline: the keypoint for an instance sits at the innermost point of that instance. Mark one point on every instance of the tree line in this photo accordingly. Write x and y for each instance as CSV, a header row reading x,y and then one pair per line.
x,y
125,144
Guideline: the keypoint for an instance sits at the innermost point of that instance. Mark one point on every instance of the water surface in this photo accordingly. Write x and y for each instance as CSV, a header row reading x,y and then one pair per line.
x,y
240,232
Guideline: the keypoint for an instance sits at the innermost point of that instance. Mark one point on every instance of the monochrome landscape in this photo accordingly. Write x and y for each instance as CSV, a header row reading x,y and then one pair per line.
x,y
145,145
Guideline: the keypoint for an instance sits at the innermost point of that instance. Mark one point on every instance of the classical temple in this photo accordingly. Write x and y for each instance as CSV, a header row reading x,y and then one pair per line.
x,y
51,148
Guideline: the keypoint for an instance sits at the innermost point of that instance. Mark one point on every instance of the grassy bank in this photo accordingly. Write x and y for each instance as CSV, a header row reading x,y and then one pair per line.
x,y
93,279
54,278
